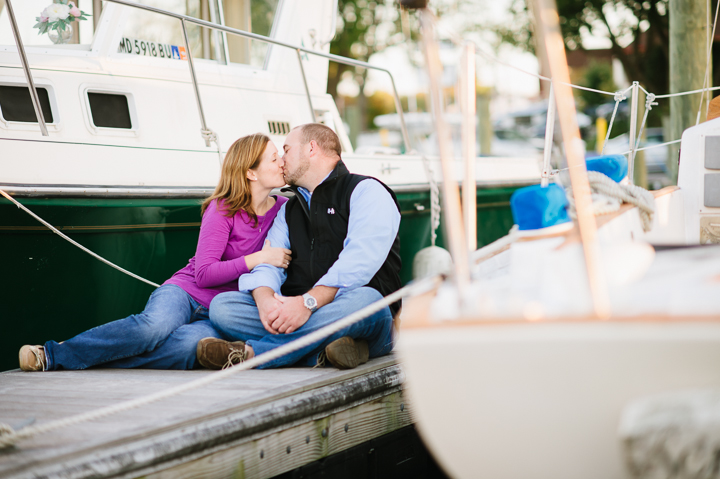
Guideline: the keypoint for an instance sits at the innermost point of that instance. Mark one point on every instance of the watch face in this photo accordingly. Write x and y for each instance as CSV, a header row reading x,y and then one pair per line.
x,y
310,302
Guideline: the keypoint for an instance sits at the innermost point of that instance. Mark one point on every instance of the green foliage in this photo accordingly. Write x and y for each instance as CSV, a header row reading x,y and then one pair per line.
x,y
599,77
639,39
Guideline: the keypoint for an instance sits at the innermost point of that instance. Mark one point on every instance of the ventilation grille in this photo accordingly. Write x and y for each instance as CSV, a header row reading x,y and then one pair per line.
x,y
279,127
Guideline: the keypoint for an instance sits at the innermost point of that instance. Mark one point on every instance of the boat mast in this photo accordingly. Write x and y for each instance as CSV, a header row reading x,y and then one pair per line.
x,y
548,30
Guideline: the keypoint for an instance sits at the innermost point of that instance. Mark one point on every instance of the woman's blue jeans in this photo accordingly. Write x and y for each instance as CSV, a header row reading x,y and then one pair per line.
x,y
236,316
163,336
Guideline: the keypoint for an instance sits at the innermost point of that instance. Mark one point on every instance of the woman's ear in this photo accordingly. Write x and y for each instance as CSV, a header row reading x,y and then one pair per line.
x,y
251,175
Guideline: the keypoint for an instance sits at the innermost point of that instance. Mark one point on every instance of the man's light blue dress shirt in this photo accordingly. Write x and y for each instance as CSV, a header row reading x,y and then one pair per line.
x,y
373,225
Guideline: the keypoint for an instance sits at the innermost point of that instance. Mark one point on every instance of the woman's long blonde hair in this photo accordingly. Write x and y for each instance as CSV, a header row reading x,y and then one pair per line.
x,y
234,185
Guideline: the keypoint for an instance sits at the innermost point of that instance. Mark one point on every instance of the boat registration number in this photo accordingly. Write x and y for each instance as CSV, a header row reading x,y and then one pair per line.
x,y
133,46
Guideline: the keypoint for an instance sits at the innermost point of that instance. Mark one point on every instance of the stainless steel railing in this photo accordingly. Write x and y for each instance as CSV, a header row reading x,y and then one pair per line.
x,y
203,23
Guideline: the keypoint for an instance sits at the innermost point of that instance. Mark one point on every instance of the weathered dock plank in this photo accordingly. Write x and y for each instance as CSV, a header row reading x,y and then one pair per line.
x,y
214,425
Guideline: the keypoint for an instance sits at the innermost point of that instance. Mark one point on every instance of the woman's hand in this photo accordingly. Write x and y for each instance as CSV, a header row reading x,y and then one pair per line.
x,y
278,257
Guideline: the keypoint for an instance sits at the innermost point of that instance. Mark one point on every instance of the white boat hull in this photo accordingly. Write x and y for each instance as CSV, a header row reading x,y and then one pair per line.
x,y
543,400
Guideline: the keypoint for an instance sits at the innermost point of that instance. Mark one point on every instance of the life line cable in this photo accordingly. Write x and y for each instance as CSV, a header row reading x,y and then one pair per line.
x,y
75,243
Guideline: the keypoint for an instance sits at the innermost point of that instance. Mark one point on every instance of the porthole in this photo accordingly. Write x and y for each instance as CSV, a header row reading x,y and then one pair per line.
x,y
110,110
16,104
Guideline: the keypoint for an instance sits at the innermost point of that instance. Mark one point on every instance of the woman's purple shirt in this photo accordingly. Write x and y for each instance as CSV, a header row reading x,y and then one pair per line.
x,y
220,256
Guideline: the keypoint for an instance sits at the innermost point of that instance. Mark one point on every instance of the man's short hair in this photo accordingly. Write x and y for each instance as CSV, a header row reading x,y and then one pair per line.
x,y
326,139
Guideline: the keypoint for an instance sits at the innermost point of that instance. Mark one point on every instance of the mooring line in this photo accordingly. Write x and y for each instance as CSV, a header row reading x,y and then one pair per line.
x,y
65,237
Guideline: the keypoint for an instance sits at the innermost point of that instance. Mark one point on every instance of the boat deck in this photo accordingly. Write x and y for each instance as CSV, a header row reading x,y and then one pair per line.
x,y
252,424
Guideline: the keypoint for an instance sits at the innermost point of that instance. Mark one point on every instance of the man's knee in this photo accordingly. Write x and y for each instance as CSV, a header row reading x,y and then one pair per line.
x,y
226,307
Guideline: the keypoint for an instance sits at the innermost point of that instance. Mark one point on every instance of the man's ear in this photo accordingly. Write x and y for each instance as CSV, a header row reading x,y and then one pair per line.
x,y
313,148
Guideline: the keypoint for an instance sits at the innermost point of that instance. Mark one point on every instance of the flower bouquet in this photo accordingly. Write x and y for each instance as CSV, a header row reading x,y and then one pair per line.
x,y
57,18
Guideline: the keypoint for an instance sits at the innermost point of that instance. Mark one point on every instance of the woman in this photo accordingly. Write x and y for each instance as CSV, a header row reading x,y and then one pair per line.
x,y
235,222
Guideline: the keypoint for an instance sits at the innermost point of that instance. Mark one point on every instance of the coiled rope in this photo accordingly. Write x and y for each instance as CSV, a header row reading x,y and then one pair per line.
x,y
9,437
65,237
608,195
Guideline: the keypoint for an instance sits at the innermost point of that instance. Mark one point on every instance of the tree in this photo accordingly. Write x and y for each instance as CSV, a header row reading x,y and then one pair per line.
x,y
637,31
364,28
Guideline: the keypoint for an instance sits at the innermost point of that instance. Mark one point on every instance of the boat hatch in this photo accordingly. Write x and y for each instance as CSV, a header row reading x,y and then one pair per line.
x,y
16,104
278,127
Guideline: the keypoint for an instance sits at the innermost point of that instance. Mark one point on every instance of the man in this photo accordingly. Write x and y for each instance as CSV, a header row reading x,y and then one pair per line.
x,y
343,233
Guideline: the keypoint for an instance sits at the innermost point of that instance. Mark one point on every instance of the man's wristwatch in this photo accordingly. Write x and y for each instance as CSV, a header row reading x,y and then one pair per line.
x,y
310,302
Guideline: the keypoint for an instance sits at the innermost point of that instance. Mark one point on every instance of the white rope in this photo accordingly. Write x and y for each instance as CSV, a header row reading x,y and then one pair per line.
x,y
619,96
659,145
691,92
434,200
709,56
10,438
649,103
608,196
91,253
455,38
211,136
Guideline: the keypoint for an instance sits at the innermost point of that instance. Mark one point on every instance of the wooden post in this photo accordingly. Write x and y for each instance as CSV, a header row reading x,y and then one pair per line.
x,y
548,29
468,102
640,168
485,129
688,54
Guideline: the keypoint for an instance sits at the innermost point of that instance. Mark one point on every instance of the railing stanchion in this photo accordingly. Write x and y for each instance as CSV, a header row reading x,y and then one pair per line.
x,y
633,130
549,136
307,89
26,69
401,116
194,81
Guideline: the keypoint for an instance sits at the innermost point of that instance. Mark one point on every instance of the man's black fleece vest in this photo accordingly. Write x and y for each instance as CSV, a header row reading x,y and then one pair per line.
x,y
317,234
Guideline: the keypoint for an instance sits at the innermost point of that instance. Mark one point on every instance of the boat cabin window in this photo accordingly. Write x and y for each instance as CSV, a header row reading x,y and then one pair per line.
x,y
16,104
26,13
109,110
152,34
256,16
156,35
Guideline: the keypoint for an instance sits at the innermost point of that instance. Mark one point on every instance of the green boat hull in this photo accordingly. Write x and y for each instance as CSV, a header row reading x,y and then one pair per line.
x,y
53,290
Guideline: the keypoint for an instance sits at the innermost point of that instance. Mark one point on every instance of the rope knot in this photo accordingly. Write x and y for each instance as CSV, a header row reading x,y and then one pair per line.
x,y
209,135
620,96
650,101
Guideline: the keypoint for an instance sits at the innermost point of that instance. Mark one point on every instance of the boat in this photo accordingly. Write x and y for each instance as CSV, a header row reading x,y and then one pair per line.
x,y
526,364
138,110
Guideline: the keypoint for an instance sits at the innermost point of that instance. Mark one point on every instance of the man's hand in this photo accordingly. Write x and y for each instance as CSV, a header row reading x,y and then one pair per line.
x,y
291,314
267,306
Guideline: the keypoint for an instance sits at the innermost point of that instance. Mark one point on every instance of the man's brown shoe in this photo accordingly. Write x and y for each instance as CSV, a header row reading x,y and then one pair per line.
x,y
347,353
32,358
214,353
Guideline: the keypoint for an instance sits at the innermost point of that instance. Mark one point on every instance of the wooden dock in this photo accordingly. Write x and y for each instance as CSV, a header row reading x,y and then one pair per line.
x,y
252,424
